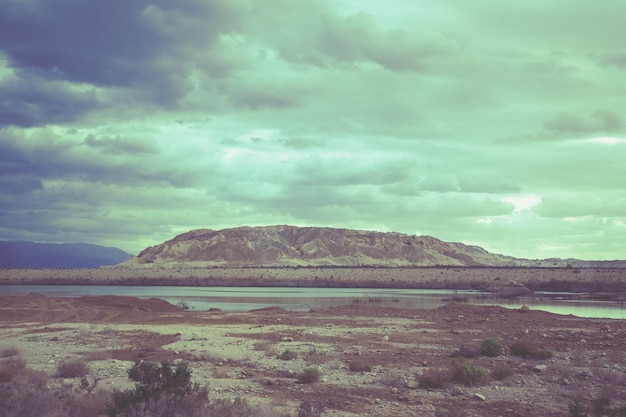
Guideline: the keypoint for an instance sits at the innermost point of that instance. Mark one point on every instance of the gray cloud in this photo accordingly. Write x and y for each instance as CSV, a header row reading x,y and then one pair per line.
x,y
494,124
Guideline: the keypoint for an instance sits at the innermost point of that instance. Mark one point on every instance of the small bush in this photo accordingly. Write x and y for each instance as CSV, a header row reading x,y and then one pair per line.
x,y
359,365
11,367
288,355
72,369
465,352
309,375
526,349
490,347
434,379
467,372
309,408
224,407
161,390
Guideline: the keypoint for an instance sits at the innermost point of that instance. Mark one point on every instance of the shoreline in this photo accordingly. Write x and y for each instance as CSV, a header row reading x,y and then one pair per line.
x,y
495,279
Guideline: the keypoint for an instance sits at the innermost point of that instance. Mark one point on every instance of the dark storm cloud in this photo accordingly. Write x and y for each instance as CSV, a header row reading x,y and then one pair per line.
x,y
31,101
148,47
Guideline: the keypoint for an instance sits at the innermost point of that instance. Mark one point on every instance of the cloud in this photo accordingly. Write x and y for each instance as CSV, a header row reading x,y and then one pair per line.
x,y
599,122
118,145
567,125
30,101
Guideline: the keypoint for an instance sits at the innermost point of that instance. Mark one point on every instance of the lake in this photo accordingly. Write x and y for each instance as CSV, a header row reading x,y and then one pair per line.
x,y
305,299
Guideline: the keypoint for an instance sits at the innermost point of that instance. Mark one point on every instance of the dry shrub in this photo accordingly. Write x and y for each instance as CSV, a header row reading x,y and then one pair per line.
x,y
288,355
309,375
434,378
359,365
8,352
72,369
11,367
466,372
490,347
526,349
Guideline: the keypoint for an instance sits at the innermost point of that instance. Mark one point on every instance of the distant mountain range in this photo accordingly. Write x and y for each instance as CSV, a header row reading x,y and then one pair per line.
x,y
18,254
323,246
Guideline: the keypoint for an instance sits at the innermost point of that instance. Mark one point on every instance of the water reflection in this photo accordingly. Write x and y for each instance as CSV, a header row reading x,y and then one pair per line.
x,y
305,299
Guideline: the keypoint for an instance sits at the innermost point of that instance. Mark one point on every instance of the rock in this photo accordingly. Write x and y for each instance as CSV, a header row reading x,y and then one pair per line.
x,y
385,338
480,397
606,328
524,309
286,339
540,368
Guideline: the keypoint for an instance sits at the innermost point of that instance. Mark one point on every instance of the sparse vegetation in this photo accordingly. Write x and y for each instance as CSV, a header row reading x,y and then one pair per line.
x,y
529,350
599,407
490,347
309,375
72,369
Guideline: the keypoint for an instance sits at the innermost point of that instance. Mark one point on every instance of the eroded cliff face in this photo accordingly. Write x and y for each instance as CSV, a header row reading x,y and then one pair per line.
x,y
315,246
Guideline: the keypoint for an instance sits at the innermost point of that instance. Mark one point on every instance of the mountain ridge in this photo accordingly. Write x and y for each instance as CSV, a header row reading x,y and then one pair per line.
x,y
285,245
16,254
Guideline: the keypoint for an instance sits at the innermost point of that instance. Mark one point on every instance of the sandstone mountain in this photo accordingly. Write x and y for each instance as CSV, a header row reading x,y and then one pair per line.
x,y
316,246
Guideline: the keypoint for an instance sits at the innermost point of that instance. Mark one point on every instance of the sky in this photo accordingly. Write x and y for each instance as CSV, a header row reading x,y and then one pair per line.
x,y
498,124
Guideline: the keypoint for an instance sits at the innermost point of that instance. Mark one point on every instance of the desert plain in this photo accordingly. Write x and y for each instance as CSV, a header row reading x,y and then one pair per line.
x,y
371,360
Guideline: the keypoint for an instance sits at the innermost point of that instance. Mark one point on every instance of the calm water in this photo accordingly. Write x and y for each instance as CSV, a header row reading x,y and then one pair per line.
x,y
304,299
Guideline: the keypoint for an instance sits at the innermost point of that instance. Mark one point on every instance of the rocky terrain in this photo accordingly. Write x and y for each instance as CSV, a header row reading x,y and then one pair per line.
x,y
322,246
370,361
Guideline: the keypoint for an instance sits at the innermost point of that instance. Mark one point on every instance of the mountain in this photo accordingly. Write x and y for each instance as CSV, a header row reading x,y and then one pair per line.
x,y
18,254
316,246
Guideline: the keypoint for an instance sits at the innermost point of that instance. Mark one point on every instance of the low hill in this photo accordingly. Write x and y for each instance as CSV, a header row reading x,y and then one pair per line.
x,y
18,254
315,246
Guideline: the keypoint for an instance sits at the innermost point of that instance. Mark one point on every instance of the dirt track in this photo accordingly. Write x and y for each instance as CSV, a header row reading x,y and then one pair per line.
x,y
236,353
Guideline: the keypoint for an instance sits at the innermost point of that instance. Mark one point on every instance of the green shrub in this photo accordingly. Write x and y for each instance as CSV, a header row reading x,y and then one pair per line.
x,y
359,365
530,350
288,355
161,389
11,367
466,372
309,375
72,369
490,347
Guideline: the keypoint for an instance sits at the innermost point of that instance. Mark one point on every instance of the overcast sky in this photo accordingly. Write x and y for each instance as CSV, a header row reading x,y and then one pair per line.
x,y
493,123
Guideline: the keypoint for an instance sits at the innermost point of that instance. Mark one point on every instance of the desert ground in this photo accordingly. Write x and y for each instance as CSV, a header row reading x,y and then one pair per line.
x,y
371,360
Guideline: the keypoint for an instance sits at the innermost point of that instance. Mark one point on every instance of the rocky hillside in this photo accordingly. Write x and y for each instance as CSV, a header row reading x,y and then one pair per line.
x,y
315,246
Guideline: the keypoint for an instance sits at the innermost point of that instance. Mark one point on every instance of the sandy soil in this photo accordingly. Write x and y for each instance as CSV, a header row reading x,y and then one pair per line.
x,y
235,353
